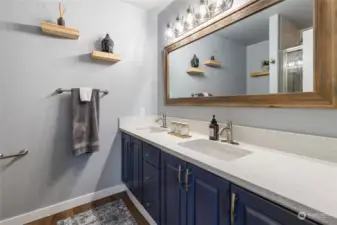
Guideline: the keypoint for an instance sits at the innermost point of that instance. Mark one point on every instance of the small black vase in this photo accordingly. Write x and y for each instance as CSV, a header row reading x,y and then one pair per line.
x,y
107,44
195,61
61,21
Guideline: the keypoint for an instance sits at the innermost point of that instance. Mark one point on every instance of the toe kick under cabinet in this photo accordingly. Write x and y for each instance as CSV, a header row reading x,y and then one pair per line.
x,y
175,192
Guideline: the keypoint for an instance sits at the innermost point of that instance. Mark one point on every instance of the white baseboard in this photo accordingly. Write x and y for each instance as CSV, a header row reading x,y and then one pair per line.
x,y
140,208
62,206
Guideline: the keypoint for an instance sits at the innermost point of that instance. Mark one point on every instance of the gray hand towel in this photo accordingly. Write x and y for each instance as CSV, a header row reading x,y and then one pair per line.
x,y
85,123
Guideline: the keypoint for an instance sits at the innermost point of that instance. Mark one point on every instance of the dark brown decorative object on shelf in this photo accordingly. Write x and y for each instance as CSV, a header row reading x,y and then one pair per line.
x,y
60,20
107,44
195,61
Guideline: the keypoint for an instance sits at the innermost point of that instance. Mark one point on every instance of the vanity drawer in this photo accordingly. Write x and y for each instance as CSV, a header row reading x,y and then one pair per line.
x,y
151,190
136,141
151,154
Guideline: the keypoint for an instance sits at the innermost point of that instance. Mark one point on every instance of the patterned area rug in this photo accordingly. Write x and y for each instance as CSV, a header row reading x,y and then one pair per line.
x,y
114,213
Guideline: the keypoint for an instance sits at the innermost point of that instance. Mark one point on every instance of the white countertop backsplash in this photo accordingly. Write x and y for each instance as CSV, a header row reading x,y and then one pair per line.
x,y
295,170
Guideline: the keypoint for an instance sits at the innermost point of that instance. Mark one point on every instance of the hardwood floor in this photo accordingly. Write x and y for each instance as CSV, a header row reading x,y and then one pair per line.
x,y
52,220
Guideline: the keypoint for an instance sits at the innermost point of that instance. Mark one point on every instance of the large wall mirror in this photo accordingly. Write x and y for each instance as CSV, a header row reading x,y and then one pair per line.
x,y
268,53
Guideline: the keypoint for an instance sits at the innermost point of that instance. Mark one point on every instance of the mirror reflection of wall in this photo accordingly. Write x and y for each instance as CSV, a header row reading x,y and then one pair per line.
x,y
269,52
229,79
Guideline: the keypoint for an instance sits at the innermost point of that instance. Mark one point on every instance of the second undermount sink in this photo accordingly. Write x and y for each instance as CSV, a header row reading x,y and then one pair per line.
x,y
215,149
152,129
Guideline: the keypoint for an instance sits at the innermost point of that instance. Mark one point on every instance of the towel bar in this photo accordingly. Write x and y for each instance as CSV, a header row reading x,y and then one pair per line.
x,y
60,91
21,153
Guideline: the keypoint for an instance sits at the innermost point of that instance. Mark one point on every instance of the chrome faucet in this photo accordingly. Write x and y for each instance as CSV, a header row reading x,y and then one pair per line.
x,y
163,118
229,133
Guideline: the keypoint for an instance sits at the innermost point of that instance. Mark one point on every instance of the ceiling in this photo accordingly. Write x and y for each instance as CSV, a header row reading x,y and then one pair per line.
x,y
150,4
255,29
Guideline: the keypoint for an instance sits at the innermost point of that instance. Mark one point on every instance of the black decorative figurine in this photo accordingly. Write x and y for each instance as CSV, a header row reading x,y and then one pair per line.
x,y
61,21
195,61
107,44
213,58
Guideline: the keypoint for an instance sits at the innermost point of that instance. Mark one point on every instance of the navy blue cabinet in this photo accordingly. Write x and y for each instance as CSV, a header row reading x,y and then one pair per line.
x,y
250,209
126,160
136,168
208,198
175,192
151,181
173,207
151,191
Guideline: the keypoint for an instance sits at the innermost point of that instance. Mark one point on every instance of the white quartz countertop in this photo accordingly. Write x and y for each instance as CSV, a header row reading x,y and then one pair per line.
x,y
296,182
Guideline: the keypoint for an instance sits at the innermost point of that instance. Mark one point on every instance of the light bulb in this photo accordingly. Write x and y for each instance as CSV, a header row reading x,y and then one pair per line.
x,y
190,20
168,32
220,6
178,27
204,13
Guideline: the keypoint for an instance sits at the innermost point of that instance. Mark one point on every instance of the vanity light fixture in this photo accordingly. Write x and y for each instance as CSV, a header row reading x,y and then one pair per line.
x,y
204,13
178,26
190,21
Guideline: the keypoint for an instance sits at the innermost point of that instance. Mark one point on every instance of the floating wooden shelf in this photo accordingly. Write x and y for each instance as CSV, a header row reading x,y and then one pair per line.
x,y
193,70
213,63
105,56
60,31
259,74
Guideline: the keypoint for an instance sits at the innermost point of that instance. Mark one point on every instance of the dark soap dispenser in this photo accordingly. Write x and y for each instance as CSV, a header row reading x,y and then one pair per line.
x,y
214,130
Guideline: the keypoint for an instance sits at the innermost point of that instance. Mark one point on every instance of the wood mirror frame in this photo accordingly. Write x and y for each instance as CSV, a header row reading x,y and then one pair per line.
x,y
325,62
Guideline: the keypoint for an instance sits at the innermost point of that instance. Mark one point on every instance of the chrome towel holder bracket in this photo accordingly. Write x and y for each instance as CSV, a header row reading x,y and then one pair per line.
x,y
21,153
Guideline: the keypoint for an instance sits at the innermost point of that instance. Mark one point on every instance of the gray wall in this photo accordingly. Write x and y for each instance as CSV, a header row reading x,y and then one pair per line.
x,y
33,65
308,121
256,53
230,79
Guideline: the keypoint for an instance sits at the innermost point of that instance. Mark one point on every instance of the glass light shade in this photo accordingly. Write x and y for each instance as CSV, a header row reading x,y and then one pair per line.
x,y
169,33
220,6
204,13
190,20
178,27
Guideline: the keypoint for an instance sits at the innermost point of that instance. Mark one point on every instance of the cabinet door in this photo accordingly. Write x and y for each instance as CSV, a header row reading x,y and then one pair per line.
x,y
250,209
136,168
126,160
173,200
151,190
208,197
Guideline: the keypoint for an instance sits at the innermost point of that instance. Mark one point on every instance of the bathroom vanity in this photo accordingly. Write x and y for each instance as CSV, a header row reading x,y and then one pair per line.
x,y
174,191
201,182
265,53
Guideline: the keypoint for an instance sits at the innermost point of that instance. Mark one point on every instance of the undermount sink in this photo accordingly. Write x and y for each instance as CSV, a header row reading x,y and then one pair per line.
x,y
215,149
152,129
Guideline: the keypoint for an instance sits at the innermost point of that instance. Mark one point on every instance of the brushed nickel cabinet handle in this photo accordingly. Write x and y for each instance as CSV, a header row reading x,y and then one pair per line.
x,y
187,173
148,205
233,204
179,174
148,178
